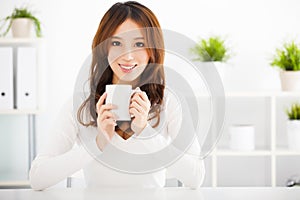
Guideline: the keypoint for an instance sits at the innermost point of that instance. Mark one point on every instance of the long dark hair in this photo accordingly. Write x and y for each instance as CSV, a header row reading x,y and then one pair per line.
x,y
152,80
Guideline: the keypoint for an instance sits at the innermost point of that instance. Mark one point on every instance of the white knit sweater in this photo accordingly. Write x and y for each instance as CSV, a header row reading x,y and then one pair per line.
x,y
59,159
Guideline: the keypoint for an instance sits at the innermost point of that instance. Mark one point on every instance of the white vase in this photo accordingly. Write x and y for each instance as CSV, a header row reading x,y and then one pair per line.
x,y
222,70
22,27
242,137
293,134
226,73
290,80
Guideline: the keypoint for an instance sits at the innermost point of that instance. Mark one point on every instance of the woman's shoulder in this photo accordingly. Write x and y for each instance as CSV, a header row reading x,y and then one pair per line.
x,y
67,106
67,112
171,99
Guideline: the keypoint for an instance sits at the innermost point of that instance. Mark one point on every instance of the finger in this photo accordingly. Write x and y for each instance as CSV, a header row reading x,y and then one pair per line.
x,y
138,107
144,104
137,114
108,115
144,96
134,112
137,99
109,122
106,107
101,101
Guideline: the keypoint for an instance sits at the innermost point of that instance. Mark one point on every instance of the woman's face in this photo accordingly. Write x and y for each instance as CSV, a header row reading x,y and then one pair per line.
x,y
127,55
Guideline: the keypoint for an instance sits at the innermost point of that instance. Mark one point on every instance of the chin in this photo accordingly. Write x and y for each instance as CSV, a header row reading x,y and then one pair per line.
x,y
130,77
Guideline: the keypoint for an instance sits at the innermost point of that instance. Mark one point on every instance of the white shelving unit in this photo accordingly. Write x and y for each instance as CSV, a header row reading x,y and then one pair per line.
x,y
268,156
11,180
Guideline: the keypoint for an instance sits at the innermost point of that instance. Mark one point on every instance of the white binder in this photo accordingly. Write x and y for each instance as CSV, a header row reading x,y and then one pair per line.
x,y
6,78
26,78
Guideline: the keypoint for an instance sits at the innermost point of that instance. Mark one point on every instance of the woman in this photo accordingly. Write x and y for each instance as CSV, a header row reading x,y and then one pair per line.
x,y
121,55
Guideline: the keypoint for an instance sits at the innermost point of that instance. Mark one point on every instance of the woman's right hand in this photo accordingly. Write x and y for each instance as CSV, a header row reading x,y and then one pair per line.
x,y
106,122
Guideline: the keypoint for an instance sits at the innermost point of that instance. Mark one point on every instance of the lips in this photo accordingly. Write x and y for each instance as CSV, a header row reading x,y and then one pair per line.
x,y
127,68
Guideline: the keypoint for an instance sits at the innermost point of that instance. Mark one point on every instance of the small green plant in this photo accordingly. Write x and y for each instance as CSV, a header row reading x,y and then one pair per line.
x,y
294,112
212,49
287,58
20,13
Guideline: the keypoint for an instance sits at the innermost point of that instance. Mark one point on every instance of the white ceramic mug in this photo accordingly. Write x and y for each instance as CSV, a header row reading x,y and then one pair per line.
x,y
119,95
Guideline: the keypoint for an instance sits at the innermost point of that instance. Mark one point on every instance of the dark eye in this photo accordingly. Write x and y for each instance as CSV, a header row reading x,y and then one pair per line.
x,y
139,44
116,43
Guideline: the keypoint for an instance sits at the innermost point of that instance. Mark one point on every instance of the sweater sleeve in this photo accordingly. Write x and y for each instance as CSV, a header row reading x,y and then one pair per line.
x,y
60,157
189,169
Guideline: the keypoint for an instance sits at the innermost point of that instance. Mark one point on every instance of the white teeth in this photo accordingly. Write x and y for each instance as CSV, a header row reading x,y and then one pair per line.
x,y
127,67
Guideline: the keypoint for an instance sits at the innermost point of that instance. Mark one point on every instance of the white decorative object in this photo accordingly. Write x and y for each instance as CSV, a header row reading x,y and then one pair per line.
x,y
293,134
221,68
242,137
22,27
290,80
224,73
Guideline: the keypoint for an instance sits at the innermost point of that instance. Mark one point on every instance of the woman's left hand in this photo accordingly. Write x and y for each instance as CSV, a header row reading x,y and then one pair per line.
x,y
139,108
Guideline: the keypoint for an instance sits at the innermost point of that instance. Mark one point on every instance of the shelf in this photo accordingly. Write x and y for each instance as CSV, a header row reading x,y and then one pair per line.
x,y
14,184
13,180
267,93
287,152
15,41
279,152
19,112
228,152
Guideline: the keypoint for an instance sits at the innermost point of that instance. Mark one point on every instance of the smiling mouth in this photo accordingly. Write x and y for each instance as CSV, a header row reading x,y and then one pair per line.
x,y
127,68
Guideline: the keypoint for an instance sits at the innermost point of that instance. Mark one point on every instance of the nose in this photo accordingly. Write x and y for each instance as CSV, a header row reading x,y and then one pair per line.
x,y
128,54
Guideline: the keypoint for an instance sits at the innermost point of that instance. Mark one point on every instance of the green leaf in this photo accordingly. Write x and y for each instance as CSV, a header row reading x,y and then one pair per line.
x,y
213,49
287,58
293,112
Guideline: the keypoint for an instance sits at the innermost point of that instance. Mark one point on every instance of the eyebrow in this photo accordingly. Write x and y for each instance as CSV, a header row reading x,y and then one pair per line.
x,y
120,38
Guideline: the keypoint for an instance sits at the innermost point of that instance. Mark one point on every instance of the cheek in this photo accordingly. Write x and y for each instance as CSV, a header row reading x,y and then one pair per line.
x,y
113,55
143,57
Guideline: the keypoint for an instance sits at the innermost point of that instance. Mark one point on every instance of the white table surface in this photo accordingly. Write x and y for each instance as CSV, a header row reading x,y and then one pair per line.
x,y
227,193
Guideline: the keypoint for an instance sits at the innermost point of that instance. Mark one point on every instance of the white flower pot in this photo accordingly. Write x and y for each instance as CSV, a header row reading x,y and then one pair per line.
x,y
22,27
293,134
223,71
242,137
290,80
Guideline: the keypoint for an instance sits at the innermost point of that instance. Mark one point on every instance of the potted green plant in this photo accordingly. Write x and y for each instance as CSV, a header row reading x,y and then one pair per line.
x,y
293,126
21,21
214,52
211,50
288,60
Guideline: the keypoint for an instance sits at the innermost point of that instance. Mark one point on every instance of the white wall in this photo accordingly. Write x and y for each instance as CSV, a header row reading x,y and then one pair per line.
x,y
254,28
